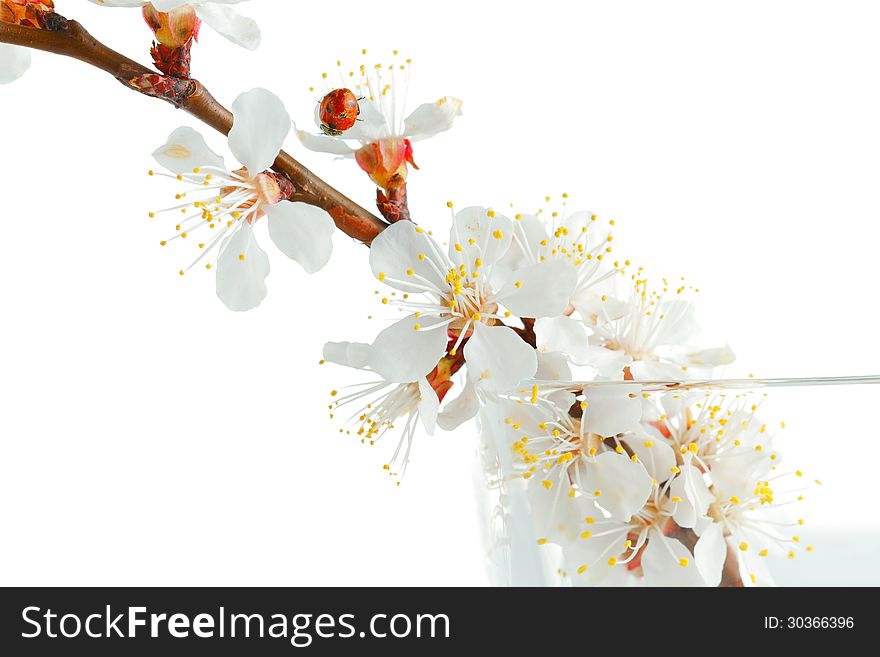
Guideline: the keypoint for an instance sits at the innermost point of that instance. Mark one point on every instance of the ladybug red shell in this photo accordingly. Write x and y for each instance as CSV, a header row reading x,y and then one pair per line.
x,y
338,112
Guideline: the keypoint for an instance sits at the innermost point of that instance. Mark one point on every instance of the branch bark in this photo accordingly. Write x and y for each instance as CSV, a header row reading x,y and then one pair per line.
x,y
69,38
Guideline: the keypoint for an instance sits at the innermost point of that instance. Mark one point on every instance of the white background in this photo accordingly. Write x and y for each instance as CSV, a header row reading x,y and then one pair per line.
x,y
150,436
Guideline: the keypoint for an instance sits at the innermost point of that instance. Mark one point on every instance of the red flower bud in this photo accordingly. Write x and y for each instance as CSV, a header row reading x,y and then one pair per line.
x,y
173,29
385,159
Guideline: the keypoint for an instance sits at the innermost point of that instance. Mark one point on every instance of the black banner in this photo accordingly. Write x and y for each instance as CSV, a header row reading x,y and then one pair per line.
x,y
159,621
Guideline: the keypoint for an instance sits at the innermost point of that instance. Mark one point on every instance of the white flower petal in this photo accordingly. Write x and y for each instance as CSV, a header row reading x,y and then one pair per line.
x,y
138,3
186,150
324,143
302,232
691,487
429,406
679,323
667,562
481,233
753,568
612,409
710,553
350,354
587,556
649,370
624,485
607,363
402,354
563,334
371,125
461,409
396,250
541,290
241,281
596,308
556,513
737,473
168,5
552,366
498,359
526,250
577,222
260,126
14,62
430,119
711,357
653,452
241,30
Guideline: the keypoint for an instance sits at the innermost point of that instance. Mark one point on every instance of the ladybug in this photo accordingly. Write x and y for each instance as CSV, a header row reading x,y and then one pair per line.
x,y
338,111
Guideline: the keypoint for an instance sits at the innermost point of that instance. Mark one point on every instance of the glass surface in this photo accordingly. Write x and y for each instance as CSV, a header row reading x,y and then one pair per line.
x,y
825,433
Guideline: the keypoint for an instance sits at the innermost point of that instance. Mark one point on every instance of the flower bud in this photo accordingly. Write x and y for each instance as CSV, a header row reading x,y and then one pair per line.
x,y
25,12
173,29
386,159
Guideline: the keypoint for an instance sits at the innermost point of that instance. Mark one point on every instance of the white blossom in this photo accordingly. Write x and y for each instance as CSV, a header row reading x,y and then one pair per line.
x,y
222,220
382,138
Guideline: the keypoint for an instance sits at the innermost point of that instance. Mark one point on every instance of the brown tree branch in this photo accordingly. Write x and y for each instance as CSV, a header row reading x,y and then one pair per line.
x,y
71,39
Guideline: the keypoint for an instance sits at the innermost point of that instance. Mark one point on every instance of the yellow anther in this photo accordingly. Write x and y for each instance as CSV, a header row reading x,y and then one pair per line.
x,y
547,484
497,234
743,546
683,562
542,541
586,534
612,561
241,256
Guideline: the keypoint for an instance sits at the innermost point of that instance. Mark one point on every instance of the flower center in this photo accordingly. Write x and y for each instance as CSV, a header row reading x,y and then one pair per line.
x,y
265,191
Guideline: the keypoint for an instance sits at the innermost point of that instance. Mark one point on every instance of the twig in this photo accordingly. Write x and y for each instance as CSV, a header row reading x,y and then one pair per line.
x,y
69,38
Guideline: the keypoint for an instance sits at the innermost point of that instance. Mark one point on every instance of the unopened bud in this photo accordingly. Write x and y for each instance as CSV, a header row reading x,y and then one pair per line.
x,y
173,29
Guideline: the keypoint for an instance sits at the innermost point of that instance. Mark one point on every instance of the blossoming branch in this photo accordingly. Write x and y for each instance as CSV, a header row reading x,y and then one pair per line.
x,y
528,324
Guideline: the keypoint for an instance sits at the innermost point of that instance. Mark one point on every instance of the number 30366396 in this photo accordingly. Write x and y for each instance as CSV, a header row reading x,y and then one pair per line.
x,y
808,622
